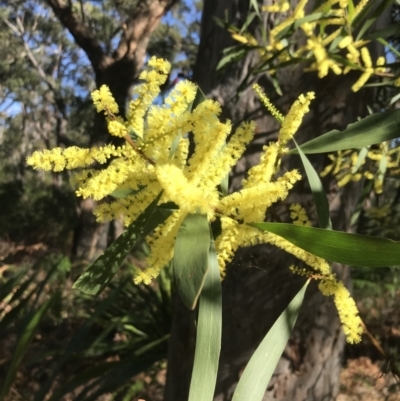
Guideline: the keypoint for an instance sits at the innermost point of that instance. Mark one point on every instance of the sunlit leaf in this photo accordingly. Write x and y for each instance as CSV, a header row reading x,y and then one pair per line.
x,y
350,249
259,370
320,199
370,130
191,257
208,338
100,273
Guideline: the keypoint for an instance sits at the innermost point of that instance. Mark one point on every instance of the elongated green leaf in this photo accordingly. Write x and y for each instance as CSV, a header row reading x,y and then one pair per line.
x,y
373,129
336,246
249,19
208,339
254,4
391,30
100,273
231,57
191,257
375,13
308,18
393,49
320,199
262,364
27,332
360,202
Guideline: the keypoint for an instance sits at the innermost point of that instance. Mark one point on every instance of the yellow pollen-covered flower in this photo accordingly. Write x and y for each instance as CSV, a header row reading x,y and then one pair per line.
x,y
117,127
159,64
267,103
346,307
280,6
299,215
189,197
103,100
294,118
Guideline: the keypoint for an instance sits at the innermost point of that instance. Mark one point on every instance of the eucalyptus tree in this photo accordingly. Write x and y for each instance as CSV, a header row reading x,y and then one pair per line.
x,y
56,52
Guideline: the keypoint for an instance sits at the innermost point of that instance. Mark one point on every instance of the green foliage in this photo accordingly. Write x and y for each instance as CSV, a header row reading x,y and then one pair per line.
x,y
49,95
37,211
209,333
259,370
191,257
379,127
100,273
82,361
349,249
320,199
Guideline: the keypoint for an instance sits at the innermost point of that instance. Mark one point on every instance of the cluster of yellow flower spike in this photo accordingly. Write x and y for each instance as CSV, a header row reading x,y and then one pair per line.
x,y
155,158
317,44
373,164
329,285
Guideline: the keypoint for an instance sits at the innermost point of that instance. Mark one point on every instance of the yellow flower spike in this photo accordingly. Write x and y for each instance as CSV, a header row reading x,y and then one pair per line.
x,y
331,37
117,127
258,198
347,309
379,64
366,57
189,197
265,169
322,61
160,65
294,118
345,42
246,38
299,216
299,10
103,100
229,155
58,159
279,7
267,103
227,242
362,80
45,159
161,243
360,6
179,98
145,93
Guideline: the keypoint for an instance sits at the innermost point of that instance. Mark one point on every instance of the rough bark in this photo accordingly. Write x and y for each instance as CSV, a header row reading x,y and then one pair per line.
x,y
259,284
118,70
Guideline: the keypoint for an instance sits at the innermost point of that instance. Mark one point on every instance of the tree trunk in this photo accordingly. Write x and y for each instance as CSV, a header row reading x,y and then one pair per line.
x,y
119,72
259,285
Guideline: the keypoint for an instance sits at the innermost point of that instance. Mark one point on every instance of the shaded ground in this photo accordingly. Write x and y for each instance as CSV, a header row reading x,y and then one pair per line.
x,y
367,374
364,380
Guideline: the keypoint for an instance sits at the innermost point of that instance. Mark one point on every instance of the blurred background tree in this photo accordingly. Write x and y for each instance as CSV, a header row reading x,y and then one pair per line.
x,y
50,67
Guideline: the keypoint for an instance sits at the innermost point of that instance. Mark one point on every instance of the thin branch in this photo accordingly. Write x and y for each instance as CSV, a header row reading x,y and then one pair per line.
x,y
83,37
138,29
20,33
